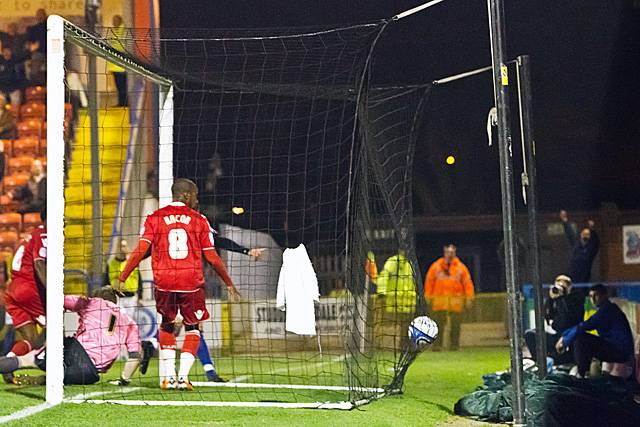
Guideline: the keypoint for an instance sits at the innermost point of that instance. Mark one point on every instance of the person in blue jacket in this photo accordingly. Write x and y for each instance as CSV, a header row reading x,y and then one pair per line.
x,y
615,341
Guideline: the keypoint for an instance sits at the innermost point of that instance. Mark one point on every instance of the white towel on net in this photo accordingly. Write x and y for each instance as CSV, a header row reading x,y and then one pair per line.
x,y
297,291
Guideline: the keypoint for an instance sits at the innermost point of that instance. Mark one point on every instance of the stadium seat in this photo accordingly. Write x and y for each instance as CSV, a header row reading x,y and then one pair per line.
x,y
33,110
12,181
35,93
20,165
25,147
27,128
30,221
8,239
43,147
11,222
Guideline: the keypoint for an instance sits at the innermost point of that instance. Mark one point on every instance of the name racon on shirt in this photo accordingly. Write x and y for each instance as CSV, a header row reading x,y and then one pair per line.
x,y
172,219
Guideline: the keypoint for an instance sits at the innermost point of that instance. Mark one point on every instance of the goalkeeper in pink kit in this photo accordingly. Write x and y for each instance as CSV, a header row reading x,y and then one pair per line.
x,y
102,330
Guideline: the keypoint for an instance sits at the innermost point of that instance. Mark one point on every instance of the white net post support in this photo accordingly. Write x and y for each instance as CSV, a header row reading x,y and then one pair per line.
x,y
165,149
55,208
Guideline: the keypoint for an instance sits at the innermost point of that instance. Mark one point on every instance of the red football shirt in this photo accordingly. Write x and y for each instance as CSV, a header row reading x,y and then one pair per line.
x,y
178,235
32,248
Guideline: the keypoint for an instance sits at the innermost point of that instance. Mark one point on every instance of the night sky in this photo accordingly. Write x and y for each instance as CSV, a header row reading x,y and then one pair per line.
x,y
586,89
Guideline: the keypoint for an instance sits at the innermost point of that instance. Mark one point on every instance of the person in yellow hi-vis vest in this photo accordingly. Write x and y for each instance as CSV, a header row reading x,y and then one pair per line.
x,y
397,284
116,38
128,301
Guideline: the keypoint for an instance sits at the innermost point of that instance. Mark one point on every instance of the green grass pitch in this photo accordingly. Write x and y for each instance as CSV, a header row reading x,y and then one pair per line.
x,y
433,384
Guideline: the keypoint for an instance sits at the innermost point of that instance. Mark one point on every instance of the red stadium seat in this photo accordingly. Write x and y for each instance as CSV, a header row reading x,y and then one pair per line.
x,y
11,222
30,221
33,110
12,181
30,128
8,239
20,165
35,93
25,147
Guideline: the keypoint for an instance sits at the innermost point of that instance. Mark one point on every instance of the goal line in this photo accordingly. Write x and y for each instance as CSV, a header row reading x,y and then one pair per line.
x,y
283,405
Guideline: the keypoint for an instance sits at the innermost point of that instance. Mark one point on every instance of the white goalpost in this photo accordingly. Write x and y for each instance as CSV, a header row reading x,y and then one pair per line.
x,y
55,208
58,32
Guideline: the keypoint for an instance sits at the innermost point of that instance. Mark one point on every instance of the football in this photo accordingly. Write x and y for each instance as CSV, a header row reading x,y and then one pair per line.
x,y
423,331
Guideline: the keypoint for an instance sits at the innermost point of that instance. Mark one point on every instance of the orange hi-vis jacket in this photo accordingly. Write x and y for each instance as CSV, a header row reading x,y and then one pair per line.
x,y
448,286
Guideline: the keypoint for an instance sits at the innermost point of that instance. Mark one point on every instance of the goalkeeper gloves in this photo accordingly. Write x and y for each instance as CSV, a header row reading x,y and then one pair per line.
x,y
120,382
147,352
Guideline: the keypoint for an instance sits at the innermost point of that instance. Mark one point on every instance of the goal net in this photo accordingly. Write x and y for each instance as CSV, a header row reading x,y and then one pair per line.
x,y
292,146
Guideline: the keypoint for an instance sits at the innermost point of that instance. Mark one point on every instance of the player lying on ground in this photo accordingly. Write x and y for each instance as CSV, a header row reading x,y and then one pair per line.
x,y
102,329
178,236
25,294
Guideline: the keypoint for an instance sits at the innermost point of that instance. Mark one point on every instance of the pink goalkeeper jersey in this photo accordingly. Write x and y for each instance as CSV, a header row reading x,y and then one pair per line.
x,y
103,329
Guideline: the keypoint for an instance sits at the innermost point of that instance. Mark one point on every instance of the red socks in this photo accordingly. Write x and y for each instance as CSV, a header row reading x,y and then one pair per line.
x,y
20,348
167,340
191,342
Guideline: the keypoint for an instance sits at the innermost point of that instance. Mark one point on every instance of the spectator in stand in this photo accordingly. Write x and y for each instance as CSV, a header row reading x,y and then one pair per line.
x,y
563,310
119,75
10,78
37,33
583,249
7,126
449,290
35,67
33,194
614,342
3,160
14,40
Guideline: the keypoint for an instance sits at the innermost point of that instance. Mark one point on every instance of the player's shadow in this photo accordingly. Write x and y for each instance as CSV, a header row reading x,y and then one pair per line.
x,y
437,405
24,391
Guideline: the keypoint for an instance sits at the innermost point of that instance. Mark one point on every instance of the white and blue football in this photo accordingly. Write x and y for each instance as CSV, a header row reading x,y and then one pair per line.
x,y
423,331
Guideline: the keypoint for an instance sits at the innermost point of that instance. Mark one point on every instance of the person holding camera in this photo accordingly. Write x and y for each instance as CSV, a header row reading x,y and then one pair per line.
x,y
563,310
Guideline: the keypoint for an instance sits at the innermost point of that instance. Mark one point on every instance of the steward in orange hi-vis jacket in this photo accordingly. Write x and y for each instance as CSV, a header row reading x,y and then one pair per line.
x,y
449,290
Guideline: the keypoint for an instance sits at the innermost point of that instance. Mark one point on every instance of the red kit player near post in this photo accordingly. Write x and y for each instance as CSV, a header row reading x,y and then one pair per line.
x,y
25,295
178,237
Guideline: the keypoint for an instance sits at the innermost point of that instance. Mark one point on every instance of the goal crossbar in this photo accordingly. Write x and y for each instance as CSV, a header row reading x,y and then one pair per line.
x,y
98,47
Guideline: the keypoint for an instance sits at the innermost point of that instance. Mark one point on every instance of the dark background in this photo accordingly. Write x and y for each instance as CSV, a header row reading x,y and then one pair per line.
x,y
586,91
586,67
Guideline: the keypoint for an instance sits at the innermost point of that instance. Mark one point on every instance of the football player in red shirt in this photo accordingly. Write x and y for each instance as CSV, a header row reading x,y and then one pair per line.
x,y
178,236
25,297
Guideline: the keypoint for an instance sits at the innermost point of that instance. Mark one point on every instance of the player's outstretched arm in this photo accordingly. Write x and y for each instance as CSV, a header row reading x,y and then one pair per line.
x,y
136,256
214,259
229,245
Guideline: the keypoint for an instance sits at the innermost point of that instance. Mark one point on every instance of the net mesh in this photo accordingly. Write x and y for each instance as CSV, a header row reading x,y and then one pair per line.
x,y
289,143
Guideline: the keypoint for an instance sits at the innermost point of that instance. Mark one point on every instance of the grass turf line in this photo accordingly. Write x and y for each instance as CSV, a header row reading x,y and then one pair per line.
x,y
433,384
